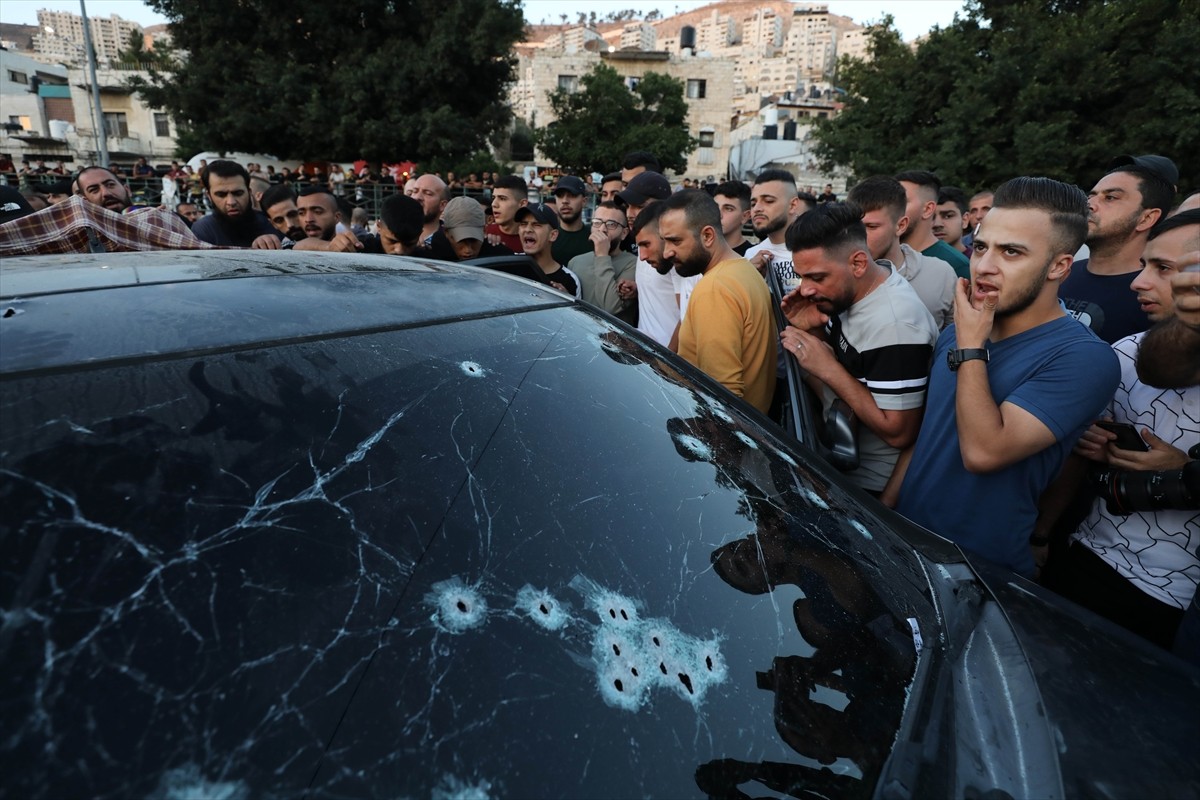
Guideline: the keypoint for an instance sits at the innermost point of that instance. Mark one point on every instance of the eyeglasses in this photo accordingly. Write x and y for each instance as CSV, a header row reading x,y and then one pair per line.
x,y
611,224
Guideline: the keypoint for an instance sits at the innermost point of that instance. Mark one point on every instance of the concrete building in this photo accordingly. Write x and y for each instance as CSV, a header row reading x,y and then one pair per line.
x,y
715,33
60,36
48,115
576,39
708,89
813,38
780,137
637,36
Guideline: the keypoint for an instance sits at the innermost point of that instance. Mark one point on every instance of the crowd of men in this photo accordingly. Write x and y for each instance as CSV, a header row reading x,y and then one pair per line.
x,y
992,368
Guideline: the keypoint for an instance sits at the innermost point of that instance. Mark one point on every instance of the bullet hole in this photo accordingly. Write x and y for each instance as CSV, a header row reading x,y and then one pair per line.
x,y
542,607
612,613
861,529
616,650
686,680
623,614
457,607
633,671
472,370
619,686
656,640
695,446
662,668
746,440
708,662
10,312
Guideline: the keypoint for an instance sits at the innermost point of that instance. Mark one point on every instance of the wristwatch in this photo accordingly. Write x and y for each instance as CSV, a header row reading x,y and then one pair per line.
x,y
955,358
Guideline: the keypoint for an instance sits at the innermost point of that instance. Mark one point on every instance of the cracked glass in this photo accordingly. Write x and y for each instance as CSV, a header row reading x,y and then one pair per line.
x,y
520,555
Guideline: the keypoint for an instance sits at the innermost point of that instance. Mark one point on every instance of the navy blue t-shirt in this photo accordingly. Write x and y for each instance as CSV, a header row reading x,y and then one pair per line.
x,y
1104,303
1059,372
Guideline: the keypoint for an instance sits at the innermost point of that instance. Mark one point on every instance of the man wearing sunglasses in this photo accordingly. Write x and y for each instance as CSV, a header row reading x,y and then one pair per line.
x,y
600,270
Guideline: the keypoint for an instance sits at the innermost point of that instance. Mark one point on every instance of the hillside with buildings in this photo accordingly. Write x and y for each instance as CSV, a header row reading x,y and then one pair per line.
x,y
756,74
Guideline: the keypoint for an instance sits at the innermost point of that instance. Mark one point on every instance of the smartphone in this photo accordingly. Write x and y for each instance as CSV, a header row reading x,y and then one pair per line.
x,y
1128,437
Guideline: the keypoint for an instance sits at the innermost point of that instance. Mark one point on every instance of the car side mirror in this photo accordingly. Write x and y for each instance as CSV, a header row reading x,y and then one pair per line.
x,y
841,428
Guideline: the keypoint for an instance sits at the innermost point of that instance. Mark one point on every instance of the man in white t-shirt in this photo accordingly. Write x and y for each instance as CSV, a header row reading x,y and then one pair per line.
x,y
774,205
655,286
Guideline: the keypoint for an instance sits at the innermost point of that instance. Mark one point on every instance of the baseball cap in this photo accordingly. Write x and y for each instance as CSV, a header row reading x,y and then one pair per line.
x,y
464,218
13,204
542,213
1161,166
569,184
645,186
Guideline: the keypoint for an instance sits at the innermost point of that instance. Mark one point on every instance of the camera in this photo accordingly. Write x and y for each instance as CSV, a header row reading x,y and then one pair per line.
x,y
1127,491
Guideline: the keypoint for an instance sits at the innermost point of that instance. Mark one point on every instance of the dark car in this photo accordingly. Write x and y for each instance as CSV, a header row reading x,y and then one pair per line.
x,y
308,525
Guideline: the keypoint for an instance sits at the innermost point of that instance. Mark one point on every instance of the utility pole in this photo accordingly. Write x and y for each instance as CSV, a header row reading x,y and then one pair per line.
x,y
97,113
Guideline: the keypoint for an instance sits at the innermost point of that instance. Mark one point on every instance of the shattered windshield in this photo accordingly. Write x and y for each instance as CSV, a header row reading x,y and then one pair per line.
x,y
517,556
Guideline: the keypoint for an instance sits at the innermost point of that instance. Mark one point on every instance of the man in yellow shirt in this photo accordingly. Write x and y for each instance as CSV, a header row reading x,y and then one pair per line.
x,y
728,332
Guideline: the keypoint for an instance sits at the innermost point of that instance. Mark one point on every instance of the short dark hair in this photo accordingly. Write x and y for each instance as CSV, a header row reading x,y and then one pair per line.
x,y
641,158
612,176
1180,220
830,226
403,216
181,204
309,191
879,192
512,182
647,216
1067,206
735,189
953,194
921,177
768,175
276,194
223,168
78,175
808,199
698,207
1157,191
609,204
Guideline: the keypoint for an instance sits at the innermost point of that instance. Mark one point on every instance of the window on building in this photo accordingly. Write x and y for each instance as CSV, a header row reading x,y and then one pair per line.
x,y
631,83
116,124
695,89
21,122
162,125
568,83
708,139
18,77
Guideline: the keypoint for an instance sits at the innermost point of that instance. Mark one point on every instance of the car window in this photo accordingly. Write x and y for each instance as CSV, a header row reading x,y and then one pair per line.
x,y
523,551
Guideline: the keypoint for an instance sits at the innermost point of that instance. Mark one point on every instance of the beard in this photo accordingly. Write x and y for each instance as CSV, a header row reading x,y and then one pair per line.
x,y
1024,298
695,263
1116,232
771,227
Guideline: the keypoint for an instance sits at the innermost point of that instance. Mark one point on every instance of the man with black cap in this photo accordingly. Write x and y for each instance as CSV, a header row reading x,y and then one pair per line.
x,y
657,289
1123,206
538,227
574,239
13,205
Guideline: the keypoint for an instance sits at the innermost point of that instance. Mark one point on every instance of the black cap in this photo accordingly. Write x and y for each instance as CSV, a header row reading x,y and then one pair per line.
x,y
645,186
569,184
13,205
1161,166
541,213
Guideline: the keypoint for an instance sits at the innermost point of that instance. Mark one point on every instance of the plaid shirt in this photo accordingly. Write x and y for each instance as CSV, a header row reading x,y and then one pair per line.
x,y
78,226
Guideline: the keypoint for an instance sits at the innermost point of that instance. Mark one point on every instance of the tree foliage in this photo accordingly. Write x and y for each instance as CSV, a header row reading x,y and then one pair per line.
x,y
413,79
135,52
597,125
1024,87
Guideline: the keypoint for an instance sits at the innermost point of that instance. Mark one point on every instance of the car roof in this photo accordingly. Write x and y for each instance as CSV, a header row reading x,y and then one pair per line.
x,y
128,304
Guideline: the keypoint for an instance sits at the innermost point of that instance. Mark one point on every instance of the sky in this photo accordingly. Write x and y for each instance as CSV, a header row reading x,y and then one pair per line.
x,y
913,17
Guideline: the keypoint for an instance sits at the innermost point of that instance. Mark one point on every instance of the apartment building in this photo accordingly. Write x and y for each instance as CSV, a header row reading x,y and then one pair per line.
x,y
708,89
60,36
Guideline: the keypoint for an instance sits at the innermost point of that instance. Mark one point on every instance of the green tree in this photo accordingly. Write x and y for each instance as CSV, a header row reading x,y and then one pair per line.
x,y
415,79
1024,87
135,52
602,121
